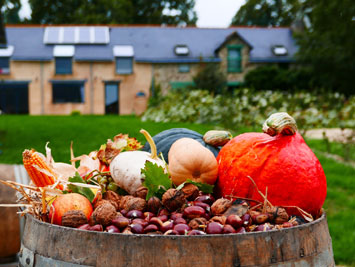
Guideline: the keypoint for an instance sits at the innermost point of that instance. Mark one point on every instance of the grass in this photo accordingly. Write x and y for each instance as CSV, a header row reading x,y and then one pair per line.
x,y
333,148
89,132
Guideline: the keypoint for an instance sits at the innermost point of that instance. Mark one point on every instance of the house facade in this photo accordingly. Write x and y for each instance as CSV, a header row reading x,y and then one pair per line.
x,y
112,69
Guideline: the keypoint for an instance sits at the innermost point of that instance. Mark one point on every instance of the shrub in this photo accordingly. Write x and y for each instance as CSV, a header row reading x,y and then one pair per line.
x,y
275,78
250,108
211,78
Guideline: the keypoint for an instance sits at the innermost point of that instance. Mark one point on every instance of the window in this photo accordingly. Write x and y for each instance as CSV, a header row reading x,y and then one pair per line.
x,y
234,58
181,50
68,91
63,65
124,65
4,65
279,50
184,68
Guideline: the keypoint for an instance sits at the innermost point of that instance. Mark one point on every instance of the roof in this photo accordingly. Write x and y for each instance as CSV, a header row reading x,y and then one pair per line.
x,y
156,44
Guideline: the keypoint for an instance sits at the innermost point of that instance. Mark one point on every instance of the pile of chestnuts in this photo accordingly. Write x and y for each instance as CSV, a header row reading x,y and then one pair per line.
x,y
183,212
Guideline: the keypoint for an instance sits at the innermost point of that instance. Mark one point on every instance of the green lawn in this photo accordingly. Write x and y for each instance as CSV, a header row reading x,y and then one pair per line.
x,y
89,132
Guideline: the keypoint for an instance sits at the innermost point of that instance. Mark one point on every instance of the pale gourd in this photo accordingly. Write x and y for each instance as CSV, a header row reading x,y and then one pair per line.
x,y
126,166
188,159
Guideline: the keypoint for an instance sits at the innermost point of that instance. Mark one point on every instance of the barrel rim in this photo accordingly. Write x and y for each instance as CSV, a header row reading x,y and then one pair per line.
x,y
173,237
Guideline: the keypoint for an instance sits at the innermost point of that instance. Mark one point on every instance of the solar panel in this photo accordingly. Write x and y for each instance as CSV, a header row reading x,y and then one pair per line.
x,y
84,35
68,35
101,35
51,35
76,35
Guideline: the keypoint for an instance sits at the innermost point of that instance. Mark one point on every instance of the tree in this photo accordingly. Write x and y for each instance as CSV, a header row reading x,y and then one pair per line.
x,y
267,13
327,46
113,12
8,14
211,78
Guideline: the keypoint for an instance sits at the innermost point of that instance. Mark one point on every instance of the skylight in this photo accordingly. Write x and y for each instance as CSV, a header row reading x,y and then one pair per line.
x,y
123,51
181,50
77,35
279,50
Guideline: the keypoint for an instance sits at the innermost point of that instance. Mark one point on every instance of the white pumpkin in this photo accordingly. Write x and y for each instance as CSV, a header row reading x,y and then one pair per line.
x,y
126,167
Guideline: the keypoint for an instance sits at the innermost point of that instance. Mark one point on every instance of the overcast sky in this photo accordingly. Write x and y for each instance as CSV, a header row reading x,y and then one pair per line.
x,y
211,13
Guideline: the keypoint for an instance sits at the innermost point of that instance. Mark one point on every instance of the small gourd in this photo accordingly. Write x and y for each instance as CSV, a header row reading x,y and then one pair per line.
x,y
126,166
217,138
188,159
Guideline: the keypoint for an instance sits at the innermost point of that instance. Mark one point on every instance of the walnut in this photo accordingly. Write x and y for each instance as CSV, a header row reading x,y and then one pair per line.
x,y
100,202
198,223
132,203
220,206
220,219
103,214
191,191
114,198
154,205
141,192
74,218
173,199
277,215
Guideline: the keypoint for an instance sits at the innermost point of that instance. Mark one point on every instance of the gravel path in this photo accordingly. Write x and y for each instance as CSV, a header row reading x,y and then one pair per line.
x,y
333,134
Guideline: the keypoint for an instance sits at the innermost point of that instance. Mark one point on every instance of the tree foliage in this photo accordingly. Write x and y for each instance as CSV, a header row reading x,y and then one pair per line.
x,y
174,12
210,78
267,13
327,46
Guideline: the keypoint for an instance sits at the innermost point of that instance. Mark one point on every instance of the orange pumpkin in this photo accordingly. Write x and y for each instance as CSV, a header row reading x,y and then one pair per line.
x,y
67,202
278,160
188,159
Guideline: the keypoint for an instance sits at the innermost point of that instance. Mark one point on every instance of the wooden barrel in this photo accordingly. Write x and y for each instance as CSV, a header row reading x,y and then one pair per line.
x,y
51,245
9,220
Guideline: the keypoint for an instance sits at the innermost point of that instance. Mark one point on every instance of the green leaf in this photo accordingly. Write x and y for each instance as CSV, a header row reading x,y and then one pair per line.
x,y
205,188
86,192
156,180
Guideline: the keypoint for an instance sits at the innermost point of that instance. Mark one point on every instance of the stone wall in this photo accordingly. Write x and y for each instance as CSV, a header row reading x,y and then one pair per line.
x,y
165,73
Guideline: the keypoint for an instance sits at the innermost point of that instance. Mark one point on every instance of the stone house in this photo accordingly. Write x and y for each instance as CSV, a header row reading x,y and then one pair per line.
x,y
111,69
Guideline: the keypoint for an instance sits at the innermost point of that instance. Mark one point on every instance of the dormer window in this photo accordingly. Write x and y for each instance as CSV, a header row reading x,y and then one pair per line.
x,y
5,54
181,50
63,55
124,58
279,50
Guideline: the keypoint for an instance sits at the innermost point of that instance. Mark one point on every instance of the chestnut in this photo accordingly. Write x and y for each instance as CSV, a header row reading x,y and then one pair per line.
x,y
202,205
208,199
121,222
132,214
143,222
182,228
194,212
156,221
148,215
150,228
228,229
175,215
171,232
235,221
136,228
214,228
168,225
180,220
84,227
196,232
112,229
96,227
163,217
